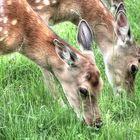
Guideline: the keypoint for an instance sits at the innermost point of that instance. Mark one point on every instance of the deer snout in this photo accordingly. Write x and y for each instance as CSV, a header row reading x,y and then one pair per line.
x,y
97,123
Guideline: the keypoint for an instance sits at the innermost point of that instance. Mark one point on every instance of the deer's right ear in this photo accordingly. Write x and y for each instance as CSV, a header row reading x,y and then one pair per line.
x,y
65,53
84,36
122,26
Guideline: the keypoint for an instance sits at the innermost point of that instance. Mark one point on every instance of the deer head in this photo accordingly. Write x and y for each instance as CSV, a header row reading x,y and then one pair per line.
x,y
124,63
22,30
80,77
110,33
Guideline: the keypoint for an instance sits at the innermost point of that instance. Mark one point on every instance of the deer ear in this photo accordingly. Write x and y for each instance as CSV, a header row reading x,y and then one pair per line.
x,y
65,53
122,25
84,36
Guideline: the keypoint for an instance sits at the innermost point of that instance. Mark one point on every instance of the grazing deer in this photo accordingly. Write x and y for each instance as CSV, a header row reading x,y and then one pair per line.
x,y
22,30
120,52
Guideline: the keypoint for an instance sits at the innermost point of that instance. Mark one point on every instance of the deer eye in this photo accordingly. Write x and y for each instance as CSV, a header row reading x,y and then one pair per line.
x,y
133,69
139,60
88,76
83,92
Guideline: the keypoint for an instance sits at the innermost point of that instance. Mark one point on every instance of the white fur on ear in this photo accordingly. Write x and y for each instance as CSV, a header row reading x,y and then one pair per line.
x,y
65,53
122,28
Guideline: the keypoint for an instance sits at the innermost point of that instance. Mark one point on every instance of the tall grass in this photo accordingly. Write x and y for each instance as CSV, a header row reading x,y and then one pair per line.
x,y
28,111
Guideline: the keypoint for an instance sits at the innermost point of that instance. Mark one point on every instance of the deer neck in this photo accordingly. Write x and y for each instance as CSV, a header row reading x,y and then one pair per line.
x,y
38,44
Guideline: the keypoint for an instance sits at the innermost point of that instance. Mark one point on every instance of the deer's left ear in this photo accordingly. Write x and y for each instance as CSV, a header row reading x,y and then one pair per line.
x,y
65,53
122,26
85,36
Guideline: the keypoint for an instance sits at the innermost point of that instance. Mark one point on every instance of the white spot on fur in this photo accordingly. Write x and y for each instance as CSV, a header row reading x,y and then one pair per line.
x,y
46,2
5,20
5,32
37,1
39,7
19,1
14,22
105,11
1,39
1,19
28,9
1,29
54,2
9,2
1,9
39,22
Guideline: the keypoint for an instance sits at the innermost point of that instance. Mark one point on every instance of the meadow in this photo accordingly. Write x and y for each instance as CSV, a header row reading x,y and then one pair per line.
x,y
28,111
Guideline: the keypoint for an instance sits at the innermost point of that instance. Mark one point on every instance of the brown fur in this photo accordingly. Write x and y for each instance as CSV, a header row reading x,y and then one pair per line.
x,y
103,23
22,30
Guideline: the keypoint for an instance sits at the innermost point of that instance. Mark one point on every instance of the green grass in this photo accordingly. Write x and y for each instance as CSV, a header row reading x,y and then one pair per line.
x,y
28,111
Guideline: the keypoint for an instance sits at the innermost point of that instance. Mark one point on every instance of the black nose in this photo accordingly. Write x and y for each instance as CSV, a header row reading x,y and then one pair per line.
x,y
98,123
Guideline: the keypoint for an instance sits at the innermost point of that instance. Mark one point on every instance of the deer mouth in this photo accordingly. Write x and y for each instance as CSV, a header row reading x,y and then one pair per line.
x,y
97,123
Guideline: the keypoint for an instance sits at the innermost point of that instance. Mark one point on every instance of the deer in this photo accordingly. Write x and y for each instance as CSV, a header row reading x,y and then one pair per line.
x,y
112,34
23,31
